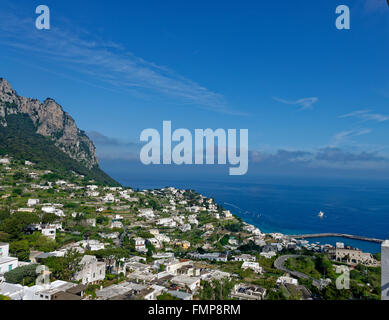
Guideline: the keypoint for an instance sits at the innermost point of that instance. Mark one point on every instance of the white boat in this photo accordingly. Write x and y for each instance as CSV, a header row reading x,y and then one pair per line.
x,y
321,214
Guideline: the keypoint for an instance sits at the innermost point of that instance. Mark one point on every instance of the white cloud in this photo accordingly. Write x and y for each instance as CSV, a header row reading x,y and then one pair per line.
x,y
304,103
366,115
346,135
105,62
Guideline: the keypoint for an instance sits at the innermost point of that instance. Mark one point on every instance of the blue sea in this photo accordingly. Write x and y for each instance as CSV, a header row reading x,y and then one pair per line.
x,y
291,207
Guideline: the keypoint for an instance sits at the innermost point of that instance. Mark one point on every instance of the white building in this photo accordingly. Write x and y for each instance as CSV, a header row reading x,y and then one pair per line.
x,y
116,225
4,161
32,202
52,209
253,266
147,213
112,235
244,258
385,270
140,244
155,243
193,283
49,232
44,292
91,245
162,238
61,183
109,198
287,280
92,193
185,228
248,292
154,232
340,245
155,292
117,217
173,265
7,263
227,214
167,222
92,270
352,256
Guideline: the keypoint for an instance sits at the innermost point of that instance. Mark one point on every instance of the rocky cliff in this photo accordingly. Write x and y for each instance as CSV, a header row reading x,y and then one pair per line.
x,y
50,121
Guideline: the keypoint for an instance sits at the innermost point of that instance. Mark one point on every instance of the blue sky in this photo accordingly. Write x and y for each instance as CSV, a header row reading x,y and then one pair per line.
x,y
315,99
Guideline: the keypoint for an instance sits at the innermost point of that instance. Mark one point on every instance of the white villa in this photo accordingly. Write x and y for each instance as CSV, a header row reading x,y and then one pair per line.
x,y
92,270
7,263
253,266
32,202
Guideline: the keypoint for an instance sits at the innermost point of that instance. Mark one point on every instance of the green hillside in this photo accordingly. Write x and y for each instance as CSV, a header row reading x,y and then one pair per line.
x,y
20,140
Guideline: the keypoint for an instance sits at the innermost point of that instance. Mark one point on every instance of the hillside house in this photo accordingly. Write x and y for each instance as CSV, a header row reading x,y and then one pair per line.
x,y
7,263
92,270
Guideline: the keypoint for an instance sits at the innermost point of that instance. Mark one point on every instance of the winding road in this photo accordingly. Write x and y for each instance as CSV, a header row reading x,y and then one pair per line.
x,y
279,264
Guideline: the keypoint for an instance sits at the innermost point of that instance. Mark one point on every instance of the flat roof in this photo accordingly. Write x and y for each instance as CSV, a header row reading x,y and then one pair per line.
x,y
61,295
77,289
7,259
180,294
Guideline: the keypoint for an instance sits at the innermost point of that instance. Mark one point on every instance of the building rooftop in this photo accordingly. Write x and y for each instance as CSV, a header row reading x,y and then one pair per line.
x,y
180,294
65,296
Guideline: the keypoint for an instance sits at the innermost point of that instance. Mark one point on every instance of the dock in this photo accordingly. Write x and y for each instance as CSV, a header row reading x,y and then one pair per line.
x,y
341,235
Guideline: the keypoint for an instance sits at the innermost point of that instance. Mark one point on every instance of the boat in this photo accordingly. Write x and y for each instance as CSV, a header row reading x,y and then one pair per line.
x,y
321,214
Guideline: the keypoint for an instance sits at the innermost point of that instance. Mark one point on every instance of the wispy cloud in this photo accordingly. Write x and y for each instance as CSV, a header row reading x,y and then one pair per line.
x,y
106,62
366,115
323,158
346,135
304,103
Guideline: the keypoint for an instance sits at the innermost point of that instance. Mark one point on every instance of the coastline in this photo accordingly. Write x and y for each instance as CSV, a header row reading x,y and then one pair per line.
x,y
354,240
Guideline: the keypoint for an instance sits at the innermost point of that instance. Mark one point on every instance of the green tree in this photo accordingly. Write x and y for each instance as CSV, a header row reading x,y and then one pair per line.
x,y
22,275
17,223
275,295
65,267
21,249
112,256
48,218
166,296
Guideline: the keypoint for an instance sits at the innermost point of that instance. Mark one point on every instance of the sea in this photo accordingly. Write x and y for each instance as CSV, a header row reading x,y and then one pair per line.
x,y
291,206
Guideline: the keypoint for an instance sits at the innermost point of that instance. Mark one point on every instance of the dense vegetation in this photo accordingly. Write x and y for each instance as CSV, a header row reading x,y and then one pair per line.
x,y
24,275
20,140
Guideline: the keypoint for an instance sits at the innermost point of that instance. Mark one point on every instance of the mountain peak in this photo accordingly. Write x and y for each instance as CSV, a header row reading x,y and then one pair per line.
x,y
7,93
50,121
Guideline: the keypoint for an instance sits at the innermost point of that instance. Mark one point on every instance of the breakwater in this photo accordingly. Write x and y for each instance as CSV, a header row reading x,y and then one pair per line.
x,y
341,235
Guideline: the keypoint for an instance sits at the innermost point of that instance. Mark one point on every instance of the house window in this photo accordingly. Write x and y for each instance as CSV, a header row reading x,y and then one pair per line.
x,y
10,267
